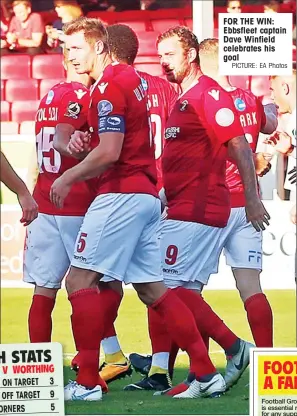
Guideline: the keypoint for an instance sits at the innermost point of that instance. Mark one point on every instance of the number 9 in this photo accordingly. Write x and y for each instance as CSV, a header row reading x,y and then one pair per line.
x,y
171,255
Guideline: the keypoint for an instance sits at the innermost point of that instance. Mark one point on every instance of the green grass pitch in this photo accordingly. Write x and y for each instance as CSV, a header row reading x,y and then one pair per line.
x,y
133,334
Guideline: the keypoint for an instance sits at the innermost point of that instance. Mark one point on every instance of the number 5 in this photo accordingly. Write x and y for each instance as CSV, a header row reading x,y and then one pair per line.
x,y
81,242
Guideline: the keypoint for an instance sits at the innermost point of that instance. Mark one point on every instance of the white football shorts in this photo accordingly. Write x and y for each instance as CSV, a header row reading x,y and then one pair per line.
x,y
242,243
189,252
49,247
118,238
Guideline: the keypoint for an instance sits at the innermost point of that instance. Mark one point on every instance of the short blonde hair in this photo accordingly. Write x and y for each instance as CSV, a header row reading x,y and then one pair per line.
x,y
93,29
209,46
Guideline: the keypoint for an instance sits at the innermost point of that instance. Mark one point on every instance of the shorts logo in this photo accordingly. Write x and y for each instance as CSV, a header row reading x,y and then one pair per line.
x,y
114,121
73,110
50,97
170,271
183,105
80,258
104,108
171,132
224,117
239,104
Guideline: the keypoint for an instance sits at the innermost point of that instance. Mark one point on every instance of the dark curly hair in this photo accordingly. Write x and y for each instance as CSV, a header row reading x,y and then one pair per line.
x,y
123,43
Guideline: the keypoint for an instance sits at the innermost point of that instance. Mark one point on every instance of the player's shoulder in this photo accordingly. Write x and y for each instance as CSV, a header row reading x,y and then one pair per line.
x,y
244,98
58,91
116,73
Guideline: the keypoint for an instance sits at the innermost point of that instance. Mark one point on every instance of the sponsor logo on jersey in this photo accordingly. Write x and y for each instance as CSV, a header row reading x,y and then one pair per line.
x,y
114,121
144,84
224,117
80,93
102,87
50,97
183,105
73,110
171,132
239,104
104,108
215,94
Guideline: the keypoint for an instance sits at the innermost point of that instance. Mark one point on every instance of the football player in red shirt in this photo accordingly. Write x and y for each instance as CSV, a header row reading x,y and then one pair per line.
x,y
202,129
127,200
242,243
52,236
123,45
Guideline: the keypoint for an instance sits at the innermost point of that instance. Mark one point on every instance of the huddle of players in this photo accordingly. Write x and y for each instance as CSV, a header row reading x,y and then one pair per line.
x,y
91,193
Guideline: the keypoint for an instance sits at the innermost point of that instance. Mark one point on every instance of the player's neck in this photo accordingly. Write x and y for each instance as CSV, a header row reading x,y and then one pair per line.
x,y
193,76
292,104
100,66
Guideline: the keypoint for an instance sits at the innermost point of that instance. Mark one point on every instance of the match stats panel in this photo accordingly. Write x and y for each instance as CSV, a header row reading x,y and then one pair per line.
x,y
31,379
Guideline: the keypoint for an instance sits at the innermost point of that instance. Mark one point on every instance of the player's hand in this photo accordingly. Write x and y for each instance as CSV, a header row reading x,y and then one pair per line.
x,y
293,175
256,213
293,214
281,141
29,208
59,191
262,163
79,142
11,38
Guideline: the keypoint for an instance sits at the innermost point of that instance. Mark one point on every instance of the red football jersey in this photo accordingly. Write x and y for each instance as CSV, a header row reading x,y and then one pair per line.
x,y
194,158
252,119
119,104
161,99
68,103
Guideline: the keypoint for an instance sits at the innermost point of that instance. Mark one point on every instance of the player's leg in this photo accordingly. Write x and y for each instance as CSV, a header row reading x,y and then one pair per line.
x,y
99,252
145,274
115,365
193,258
45,265
244,254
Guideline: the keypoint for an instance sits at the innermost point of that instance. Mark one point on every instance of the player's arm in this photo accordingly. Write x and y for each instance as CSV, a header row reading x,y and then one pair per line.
x,y
111,131
269,118
72,115
222,117
10,178
98,160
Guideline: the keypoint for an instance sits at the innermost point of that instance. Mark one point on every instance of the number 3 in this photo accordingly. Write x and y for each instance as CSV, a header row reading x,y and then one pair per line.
x,y
171,255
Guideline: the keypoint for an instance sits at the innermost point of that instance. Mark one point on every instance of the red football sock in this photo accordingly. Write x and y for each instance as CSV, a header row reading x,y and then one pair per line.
x,y
206,319
40,318
172,357
259,315
92,312
181,326
110,332
160,339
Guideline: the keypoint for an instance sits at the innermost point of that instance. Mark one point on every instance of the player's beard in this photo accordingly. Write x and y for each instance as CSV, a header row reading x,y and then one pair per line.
x,y
177,76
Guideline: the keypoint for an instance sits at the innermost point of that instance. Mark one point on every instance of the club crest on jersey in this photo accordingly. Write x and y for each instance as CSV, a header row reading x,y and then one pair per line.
x,y
183,105
73,110
239,104
104,107
49,97
80,93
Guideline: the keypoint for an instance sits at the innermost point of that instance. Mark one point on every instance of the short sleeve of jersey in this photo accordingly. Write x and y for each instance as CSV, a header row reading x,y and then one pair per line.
x,y
221,115
111,107
73,108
